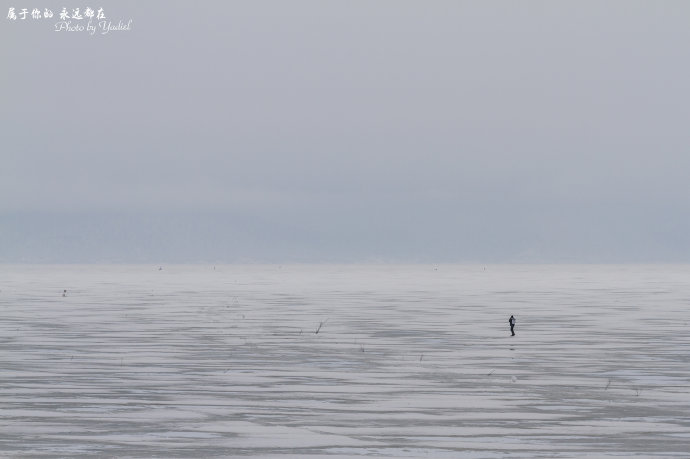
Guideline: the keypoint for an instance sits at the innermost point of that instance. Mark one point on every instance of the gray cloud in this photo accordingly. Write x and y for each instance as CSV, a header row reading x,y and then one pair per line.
x,y
401,130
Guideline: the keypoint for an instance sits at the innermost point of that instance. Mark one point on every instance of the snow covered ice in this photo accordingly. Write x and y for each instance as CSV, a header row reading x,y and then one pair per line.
x,y
408,361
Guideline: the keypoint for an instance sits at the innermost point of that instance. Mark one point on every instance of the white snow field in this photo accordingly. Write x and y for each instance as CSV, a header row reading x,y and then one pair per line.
x,y
409,361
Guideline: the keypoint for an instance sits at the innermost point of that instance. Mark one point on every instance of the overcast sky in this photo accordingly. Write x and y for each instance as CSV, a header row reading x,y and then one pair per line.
x,y
348,131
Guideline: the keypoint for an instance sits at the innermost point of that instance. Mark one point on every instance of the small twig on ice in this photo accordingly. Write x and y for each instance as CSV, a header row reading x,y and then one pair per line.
x,y
320,325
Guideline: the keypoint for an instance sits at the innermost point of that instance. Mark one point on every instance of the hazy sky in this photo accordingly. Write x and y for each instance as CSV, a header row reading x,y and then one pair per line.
x,y
348,130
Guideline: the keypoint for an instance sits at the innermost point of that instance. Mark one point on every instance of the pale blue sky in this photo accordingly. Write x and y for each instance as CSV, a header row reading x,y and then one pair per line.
x,y
349,130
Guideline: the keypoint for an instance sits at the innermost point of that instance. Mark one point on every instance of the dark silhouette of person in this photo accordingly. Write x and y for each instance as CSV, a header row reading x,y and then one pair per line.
x,y
511,321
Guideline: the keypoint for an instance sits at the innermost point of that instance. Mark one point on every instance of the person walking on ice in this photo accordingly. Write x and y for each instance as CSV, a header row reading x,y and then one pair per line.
x,y
511,321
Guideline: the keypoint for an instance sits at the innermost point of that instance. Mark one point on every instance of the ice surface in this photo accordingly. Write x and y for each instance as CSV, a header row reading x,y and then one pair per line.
x,y
410,361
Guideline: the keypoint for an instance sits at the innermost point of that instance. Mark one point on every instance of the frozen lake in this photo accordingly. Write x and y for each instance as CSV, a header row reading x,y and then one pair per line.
x,y
408,361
